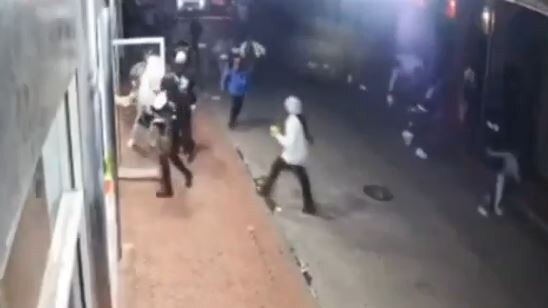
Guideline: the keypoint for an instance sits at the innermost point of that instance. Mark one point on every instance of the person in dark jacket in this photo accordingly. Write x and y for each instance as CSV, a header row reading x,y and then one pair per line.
x,y
168,118
237,81
177,93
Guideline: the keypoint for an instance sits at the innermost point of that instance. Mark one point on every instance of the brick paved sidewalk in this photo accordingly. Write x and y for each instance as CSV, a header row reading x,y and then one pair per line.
x,y
211,246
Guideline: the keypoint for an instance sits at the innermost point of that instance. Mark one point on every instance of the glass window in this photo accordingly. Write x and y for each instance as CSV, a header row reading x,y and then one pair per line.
x,y
57,160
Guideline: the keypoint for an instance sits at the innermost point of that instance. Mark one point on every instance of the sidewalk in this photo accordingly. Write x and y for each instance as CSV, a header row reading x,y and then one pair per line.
x,y
213,245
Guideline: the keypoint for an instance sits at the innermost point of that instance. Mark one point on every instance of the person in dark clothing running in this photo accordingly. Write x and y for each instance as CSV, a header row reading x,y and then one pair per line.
x,y
295,143
186,89
237,81
168,125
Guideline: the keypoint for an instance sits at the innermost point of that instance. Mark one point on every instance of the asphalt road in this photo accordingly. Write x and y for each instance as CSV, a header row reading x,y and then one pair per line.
x,y
425,248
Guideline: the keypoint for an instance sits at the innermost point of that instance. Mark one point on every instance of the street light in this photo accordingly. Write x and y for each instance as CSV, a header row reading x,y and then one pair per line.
x,y
488,19
451,9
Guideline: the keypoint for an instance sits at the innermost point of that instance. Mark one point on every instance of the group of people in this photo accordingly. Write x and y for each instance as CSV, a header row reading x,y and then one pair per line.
x,y
165,99
419,98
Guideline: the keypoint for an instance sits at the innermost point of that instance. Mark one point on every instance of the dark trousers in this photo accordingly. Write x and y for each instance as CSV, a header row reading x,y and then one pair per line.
x,y
237,103
184,132
172,156
186,141
280,165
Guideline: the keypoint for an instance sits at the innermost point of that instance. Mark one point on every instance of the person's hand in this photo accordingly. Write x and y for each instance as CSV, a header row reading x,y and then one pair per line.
x,y
274,130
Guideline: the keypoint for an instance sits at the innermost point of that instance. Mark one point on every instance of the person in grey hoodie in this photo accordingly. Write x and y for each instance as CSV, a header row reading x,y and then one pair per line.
x,y
294,142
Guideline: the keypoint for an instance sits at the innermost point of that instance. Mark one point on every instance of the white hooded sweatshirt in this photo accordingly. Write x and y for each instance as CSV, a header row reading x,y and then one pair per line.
x,y
294,143
150,81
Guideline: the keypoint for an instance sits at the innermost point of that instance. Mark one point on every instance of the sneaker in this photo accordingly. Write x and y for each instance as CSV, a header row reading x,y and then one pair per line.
x,y
164,194
483,211
499,211
310,211
189,180
131,143
191,156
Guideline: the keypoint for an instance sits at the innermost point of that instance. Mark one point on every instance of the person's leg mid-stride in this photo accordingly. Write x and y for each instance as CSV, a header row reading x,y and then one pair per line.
x,y
280,165
236,108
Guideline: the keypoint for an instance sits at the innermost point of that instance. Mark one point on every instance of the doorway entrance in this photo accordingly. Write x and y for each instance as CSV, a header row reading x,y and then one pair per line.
x,y
135,159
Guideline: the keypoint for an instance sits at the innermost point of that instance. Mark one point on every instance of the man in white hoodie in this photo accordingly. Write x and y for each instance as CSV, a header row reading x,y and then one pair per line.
x,y
295,151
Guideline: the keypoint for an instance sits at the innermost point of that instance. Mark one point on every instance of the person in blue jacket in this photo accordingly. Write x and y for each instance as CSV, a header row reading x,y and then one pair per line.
x,y
237,81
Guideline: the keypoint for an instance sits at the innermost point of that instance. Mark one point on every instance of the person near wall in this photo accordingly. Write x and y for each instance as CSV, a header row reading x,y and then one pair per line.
x,y
180,94
294,141
168,120
237,81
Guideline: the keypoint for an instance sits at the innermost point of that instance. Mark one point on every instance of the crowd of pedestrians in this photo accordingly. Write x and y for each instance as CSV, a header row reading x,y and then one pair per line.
x,y
165,96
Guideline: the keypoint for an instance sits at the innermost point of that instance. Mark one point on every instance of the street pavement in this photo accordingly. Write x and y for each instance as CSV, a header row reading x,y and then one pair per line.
x,y
425,248
212,245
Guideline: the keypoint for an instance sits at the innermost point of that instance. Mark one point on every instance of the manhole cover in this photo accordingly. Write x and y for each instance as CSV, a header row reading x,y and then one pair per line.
x,y
377,192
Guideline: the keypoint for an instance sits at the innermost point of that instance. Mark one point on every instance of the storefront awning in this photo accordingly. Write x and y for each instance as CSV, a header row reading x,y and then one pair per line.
x,y
540,6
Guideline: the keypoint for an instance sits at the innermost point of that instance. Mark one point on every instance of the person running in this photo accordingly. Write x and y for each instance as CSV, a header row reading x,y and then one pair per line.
x,y
237,81
295,143
507,172
167,121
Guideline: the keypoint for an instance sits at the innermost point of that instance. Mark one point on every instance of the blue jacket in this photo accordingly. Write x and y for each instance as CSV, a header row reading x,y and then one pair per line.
x,y
238,82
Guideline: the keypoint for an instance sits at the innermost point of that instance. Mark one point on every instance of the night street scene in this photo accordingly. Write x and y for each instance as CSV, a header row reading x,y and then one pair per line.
x,y
274,154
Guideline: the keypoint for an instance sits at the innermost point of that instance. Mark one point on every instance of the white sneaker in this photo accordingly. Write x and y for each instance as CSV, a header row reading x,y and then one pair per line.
x,y
483,211
407,137
420,153
131,143
499,211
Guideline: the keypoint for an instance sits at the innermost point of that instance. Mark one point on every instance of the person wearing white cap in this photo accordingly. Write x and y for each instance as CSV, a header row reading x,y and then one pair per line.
x,y
295,142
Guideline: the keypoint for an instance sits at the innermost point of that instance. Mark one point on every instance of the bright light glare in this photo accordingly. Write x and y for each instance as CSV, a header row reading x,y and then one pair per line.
x,y
486,19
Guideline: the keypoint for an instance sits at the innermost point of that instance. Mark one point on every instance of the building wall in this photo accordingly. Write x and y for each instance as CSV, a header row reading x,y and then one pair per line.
x,y
37,59
45,44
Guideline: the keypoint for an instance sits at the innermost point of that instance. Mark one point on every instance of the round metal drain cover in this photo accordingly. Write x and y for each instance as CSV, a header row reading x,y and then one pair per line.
x,y
377,192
